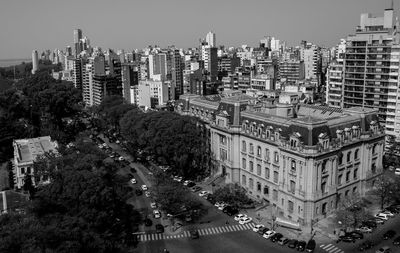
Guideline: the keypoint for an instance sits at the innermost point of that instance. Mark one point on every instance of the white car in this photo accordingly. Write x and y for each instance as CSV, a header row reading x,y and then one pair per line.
x,y
121,158
268,234
245,220
397,172
133,181
157,214
364,229
382,216
117,142
388,213
153,205
186,182
258,227
144,187
203,193
222,206
217,204
148,194
240,216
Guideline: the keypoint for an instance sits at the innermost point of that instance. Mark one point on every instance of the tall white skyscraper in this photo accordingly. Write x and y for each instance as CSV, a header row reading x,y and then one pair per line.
x,y
211,39
35,61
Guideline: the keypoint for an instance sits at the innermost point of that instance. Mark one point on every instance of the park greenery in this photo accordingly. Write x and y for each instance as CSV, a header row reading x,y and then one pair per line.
x,y
234,195
82,209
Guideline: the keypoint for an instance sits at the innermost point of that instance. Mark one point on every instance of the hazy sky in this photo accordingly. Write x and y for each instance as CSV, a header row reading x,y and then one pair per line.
x,y
47,24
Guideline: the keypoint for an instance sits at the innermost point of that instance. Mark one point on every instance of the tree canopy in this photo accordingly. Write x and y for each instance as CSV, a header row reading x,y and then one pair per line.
x,y
82,209
234,195
175,140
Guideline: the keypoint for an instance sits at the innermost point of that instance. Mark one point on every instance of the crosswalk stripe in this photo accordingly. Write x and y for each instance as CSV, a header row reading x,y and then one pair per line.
x,y
215,230
330,247
249,226
186,233
336,250
223,229
153,237
212,231
327,246
229,228
322,245
219,229
201,232
239,227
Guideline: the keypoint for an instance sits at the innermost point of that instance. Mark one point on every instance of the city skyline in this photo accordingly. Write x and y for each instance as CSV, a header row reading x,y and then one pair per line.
x,y
49,25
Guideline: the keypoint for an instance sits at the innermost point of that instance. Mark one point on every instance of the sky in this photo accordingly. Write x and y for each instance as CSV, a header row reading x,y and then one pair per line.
x,y
26,25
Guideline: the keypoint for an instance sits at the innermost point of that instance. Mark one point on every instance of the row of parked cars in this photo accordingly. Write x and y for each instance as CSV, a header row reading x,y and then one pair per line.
x,y
279,238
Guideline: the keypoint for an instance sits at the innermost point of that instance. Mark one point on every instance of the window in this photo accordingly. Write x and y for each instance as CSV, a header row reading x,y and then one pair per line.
x,y
277,136
348,156
266,154
251,164
276,157
258,186
355,173
268,134
243,179
222,139
347,176
267,173
355,190
243,146
258,151
290,206
340,179
356,154
324,170
340,156
275,195
293,143
22,170
28,170
282,202
266,190
276,176
258,170
223,154
374,149
293,166
251,183
251,148
292,186
373,168
244,163
346,194
323,187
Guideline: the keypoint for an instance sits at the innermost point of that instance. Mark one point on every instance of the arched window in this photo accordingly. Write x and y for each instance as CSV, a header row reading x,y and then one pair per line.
x,y
259,151
348,156
356,154
243,146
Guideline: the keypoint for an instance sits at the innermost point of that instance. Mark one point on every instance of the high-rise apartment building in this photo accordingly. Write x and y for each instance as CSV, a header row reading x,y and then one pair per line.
x,y
211,39
158,65
291,70
312,63
35,61
77,42
130,81
334,84
77,73
177,66
371,69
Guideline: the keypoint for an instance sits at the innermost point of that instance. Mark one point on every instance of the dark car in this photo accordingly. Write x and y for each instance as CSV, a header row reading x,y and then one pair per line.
x,y
397,241
148,222
389,234
369,223
347,238
292,243
194,234
392,209
159,228
191,184
195,189
262,231
276,237
133,170
310,245
357,235
138,192
211,199
229,210
301,246
365,246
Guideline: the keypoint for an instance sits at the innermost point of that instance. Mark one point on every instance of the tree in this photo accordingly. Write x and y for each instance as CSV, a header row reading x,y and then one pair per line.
x,y
352,211
383,188
234,195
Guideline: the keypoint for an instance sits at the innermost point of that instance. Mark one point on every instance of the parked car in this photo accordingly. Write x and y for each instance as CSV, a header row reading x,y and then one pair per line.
x,y
268,234
148,194
382,216
211,198
397,172
364,229
196,189
133,181
190,184
388,213
177,178
276,237
144,187
310,247
138,192
148,222
153,205
379,221
369,223
240,216
283,241
186,182
393,209
156,214
245,220
384,249
357,235
293,243
159,228
397,241
203,193
365,246
257,227
230,210
263,231
389,234
347,237
301,246
194,234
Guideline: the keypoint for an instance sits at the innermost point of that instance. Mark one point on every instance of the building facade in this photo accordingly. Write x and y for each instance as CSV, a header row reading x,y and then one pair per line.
x,y
301,159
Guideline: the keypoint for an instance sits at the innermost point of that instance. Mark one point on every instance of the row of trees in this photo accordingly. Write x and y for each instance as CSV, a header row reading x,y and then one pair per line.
x,y
36,106
83,209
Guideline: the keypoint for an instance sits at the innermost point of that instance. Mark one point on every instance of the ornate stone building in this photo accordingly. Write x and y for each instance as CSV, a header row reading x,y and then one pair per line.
x,y
301,159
